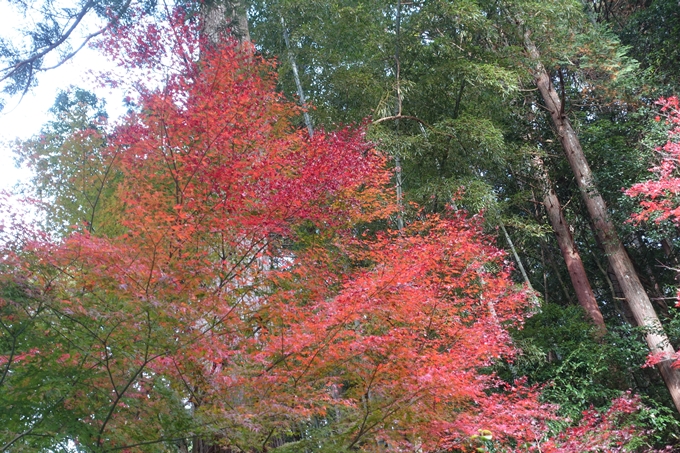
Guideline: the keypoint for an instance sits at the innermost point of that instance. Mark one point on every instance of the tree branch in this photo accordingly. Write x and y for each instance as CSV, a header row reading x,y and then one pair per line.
x,y
14,69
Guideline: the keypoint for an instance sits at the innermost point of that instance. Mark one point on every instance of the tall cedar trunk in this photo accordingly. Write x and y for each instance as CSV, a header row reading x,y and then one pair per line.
x,y
577,272
221,18
225,17
637,299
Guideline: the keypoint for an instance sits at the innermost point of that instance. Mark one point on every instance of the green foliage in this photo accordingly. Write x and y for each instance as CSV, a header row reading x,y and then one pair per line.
x,y
50,392
560,348
581,371
342,50
653,34
72,169
661,421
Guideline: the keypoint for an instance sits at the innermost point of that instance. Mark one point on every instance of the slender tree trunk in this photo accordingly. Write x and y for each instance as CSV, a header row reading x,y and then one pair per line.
x,y
668,250
649,278
517,259
225,17
296,75
558,274
565,240
397,160
637,299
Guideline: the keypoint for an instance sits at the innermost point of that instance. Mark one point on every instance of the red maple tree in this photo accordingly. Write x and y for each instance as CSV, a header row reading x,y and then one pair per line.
x,y
243,304
659,196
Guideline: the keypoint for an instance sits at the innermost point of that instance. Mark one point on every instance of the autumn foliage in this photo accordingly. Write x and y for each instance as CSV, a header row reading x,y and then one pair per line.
x,y
611,431
659,196
659,199
241,300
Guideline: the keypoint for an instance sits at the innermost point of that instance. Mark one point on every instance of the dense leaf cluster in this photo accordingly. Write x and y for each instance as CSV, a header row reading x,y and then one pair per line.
x,y
215,279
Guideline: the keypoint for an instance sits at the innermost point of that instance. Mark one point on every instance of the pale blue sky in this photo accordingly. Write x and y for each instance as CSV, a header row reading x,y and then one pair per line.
x,y
24,119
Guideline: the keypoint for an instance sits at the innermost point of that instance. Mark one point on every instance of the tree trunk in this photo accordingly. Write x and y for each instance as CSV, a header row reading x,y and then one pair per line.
x,y
565,240
637,299
517,259
223,18
296,76
655,290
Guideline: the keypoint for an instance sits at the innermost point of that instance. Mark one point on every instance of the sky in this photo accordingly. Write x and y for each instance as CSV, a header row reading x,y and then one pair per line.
x,y
23,118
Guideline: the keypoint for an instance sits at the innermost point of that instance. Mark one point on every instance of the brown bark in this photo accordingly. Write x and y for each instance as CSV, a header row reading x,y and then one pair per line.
x,y
565,240
225,17
635,295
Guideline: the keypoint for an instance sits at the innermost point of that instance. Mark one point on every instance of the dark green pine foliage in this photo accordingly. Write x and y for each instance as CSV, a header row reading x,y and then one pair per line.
x,y
652,30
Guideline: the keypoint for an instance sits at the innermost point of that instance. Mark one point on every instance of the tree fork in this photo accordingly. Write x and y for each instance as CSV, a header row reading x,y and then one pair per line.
x,y
634,292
